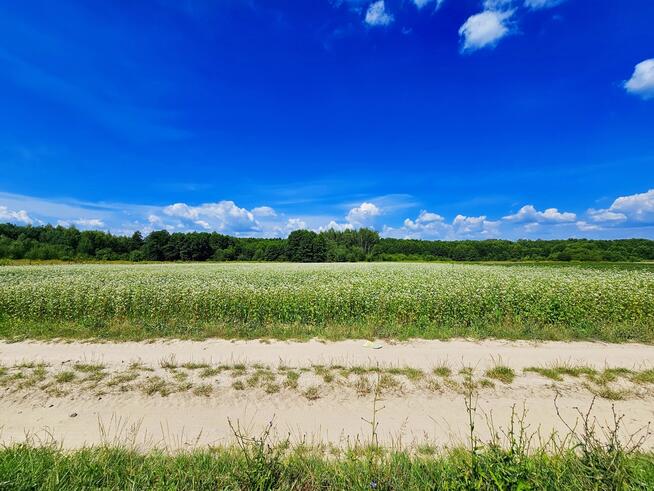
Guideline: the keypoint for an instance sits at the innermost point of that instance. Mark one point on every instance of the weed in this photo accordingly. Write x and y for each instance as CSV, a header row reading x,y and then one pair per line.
x,y
169,363
210,372
292,379
502,373
442,371
65,377
203,390
189,365
312,393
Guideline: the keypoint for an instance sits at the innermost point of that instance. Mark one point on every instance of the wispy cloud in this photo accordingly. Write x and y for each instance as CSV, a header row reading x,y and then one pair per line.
x,y
103,106
542,4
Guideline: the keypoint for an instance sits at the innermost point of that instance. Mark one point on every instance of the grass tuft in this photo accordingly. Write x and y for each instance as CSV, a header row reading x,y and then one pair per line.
x,y
504,374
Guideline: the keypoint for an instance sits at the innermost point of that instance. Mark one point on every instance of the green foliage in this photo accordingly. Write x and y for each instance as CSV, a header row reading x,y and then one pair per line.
x,y
60,243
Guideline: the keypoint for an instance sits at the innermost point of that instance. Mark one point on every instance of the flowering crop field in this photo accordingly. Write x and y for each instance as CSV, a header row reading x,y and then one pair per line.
x,y
394,300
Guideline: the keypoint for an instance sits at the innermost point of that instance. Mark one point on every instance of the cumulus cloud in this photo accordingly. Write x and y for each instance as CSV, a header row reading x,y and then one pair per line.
x,y
20,216
464,226
333,225
529,214
485,29
634,208
641,82
220,216
263,211
363,215
377,15
606,216
627,216
429,225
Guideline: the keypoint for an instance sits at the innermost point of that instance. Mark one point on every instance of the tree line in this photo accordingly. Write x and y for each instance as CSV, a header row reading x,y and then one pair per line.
x,y
68,243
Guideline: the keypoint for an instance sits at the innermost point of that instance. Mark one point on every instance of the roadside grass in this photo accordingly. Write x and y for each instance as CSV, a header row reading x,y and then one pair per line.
x,y
593,458
504,374
312,392
643,377
612,383
13,330
65,376
442,370
203,390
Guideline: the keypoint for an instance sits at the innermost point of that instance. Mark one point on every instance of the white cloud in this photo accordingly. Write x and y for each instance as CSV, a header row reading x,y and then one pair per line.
x,y
89,222
264,211
634,208
376,15
333,225
363,215
485,29
606,216
180,210
587,227
295,224
425,221
430,225
642,81
529,214
20,216
542,4
470,227
498,4
223,216
628,216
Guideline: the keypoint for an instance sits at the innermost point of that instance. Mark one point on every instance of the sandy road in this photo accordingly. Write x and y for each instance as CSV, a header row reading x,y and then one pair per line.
x,y
412,415
417,353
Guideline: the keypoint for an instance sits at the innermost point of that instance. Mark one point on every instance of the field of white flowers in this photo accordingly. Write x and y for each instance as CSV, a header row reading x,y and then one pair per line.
x,y
335,300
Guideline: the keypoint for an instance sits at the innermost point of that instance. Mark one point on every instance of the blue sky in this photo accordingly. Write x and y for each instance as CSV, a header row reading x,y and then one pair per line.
x,y
421,118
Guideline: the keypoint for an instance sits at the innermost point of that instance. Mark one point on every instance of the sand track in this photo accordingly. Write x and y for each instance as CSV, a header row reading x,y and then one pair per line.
x,y
411,415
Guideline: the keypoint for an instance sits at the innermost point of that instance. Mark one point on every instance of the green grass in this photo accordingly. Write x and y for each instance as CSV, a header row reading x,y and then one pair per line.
x,y
332,301
88,367
26,468
442,371
556,372
502,373
312,393
203,390
64,377
644,377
